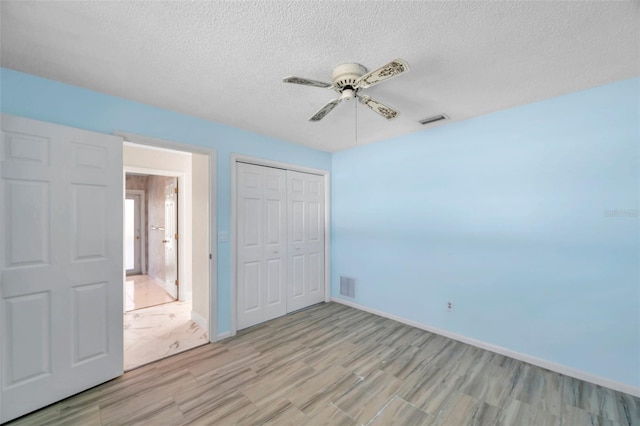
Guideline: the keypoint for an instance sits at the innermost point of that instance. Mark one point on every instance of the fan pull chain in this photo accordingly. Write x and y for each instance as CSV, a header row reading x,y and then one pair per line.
x,y
355,101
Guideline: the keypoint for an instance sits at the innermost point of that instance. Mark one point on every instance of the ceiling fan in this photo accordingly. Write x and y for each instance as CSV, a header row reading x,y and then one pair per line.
x,y
349,80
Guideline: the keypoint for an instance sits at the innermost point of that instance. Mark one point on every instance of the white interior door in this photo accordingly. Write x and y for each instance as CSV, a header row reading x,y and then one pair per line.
x,y
261,242
171,238
305,210
61,256
132,232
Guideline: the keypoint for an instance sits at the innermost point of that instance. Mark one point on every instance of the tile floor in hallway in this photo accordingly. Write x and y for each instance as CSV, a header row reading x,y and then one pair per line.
x,y
159,331
142,291
335,365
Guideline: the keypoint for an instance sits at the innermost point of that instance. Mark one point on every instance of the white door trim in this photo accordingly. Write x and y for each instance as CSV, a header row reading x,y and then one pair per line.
x,y
143,226
162,144
240,158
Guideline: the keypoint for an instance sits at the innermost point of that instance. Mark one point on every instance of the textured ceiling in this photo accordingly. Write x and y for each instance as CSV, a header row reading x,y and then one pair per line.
x,y
224,61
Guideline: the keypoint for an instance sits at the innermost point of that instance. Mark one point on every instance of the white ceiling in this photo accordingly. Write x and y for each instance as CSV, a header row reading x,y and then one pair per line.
x,y
224,61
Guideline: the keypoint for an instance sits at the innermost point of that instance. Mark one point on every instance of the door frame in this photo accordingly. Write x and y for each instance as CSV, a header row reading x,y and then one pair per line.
x,y
161,144
240,158
143,225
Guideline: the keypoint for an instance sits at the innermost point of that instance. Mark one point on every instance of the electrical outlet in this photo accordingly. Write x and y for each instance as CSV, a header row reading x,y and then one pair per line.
x,y
449,306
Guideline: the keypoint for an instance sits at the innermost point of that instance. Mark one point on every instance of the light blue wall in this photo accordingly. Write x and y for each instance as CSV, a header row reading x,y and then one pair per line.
x,y
507,216
504,214
29,96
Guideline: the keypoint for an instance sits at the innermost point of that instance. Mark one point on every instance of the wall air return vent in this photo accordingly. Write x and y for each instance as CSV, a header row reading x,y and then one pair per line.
x,y
348,287
433,119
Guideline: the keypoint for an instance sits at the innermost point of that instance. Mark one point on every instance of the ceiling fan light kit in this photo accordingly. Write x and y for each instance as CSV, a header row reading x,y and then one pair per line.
x,y
347,75
349,79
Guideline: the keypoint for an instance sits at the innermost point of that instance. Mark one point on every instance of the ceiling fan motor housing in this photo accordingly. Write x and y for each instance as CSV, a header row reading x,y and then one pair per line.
x,y
346,75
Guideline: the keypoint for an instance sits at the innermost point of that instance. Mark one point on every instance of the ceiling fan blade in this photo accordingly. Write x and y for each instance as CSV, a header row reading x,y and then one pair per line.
x,y
382,109
325,110
306,82
393,68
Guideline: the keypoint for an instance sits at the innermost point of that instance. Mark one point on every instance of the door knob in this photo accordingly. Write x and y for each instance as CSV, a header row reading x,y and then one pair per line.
x,y
165,241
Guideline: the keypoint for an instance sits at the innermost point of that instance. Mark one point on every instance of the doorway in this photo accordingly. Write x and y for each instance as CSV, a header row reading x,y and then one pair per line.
x,y
176,278
151,258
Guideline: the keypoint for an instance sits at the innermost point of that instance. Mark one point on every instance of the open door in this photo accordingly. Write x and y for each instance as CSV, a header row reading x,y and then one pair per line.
x,y
171,238
61,263
132,233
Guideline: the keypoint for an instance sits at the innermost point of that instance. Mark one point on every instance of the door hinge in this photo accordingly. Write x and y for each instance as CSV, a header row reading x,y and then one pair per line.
x,y
176,282
175,189
176,236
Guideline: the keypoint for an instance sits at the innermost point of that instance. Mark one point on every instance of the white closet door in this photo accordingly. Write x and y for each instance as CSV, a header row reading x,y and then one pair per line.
x,y
261,240
61,257
305,209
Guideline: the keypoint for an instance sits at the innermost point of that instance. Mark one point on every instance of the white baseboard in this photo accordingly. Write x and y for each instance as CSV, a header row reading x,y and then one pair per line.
x,y
156,278
558,368
223,336
199,319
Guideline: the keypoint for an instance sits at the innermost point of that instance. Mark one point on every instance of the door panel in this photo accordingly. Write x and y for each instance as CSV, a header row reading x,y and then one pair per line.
x,y
27,327
274,213
316,228
306,240
297,275
315,266
61,272
252,222
274,278
297,221
88,204
251,288
261,242
89,317
27,224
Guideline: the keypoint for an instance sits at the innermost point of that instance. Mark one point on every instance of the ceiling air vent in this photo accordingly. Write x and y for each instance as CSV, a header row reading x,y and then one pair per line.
x,y
433,119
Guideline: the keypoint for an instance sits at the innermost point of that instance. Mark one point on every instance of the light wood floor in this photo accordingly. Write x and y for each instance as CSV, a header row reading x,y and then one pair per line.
x,y
335,365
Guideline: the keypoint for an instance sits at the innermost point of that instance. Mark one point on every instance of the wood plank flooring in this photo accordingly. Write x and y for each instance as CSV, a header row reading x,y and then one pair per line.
x,y
334,365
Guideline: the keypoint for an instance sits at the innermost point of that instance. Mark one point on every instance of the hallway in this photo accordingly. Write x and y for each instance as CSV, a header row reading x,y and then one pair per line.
x,y
142,291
